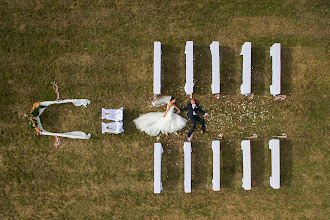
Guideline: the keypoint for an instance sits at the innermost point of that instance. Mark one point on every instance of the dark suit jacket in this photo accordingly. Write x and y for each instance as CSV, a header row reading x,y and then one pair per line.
x,y
190,110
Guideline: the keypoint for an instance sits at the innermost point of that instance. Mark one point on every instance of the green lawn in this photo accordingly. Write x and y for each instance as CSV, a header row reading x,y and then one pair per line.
x,y
103,51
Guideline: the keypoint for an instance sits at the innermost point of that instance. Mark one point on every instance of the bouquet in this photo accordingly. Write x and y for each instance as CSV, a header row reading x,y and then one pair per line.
x,y
31,117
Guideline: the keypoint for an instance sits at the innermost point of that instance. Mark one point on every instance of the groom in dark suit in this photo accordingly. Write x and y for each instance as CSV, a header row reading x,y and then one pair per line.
x,y
193,109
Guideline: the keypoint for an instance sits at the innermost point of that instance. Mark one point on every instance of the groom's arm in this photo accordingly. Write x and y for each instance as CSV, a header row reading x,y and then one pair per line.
x,y
201,110
184,109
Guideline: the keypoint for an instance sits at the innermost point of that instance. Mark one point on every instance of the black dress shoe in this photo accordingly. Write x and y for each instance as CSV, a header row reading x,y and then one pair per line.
x,y
204,132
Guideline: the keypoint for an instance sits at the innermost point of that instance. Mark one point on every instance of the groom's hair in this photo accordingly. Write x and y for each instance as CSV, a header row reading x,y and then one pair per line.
x,y
172,98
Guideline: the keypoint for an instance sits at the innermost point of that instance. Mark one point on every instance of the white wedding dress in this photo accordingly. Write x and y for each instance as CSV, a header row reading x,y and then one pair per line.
x,y
153,123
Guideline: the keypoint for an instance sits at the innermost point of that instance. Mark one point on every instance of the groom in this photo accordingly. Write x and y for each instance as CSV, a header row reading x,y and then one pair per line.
x,y
193,108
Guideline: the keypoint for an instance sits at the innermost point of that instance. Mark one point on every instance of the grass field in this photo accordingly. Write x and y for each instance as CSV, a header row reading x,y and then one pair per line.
x,y
103,51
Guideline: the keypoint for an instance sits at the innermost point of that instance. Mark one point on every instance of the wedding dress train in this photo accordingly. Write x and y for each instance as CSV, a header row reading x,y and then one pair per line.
x,y
153,123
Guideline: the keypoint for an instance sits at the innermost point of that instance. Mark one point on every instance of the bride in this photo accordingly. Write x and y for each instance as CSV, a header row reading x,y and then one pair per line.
x,y
165,122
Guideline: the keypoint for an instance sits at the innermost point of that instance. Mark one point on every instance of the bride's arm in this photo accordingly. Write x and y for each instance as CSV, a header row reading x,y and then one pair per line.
x,y
168,107
177,108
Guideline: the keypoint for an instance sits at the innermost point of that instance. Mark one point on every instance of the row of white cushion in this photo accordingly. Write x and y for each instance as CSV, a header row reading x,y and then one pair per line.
x,y
274,146
275,53
115,115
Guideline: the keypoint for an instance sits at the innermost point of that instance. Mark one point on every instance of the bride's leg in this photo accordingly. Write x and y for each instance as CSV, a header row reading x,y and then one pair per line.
x,y
176,133
166,133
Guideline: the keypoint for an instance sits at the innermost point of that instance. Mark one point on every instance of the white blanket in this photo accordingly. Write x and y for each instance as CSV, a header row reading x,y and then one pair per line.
x,y
113,114
112,127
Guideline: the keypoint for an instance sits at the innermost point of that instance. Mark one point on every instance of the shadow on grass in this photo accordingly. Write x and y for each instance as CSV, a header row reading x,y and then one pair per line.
x,y
201,167
129,116
258,163
202,70
171,161
286,162
228,164
258,70
229,75
170,72
54,115
286,71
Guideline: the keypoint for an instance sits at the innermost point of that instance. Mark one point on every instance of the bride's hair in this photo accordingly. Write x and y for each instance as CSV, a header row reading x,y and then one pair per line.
x,y
172,98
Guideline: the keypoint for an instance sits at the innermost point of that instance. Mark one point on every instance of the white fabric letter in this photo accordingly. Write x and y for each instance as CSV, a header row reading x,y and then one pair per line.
x,y
74,134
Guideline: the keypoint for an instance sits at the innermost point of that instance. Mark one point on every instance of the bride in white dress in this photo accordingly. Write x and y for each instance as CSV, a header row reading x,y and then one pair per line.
x,y
165,122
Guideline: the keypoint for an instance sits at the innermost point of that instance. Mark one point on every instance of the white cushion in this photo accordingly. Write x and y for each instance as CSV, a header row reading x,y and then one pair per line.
x,y
113,114
187,167
246,53
214,47
157,67
274,180
189,51
275,53
216,165
245,146
112,127
158,150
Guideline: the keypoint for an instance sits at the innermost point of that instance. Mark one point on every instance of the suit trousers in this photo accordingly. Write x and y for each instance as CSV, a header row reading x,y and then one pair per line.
x,y
193,120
